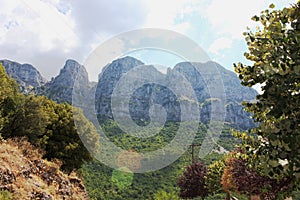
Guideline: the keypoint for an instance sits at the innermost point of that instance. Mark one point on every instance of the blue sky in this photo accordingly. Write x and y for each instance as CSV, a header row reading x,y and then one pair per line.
x,y
46,33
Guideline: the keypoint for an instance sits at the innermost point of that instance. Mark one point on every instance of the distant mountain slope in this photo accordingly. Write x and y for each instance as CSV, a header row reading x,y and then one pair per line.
x,y
139,107
108,80
235,93
60,89
26,75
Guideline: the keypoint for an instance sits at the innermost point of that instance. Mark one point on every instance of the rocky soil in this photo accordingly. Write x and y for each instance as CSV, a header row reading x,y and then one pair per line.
x,y
25,175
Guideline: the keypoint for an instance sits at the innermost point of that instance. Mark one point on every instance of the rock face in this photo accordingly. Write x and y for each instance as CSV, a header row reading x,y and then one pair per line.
x,y
60,88
234,95
108,79
146,101
26,75
155,94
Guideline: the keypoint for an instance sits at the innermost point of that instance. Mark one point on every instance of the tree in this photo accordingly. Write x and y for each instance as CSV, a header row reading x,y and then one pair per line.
x,y
214,175
241,178
8,86
192,182
65,143
163,195
50,126
30,116
274,51
47,125
8,90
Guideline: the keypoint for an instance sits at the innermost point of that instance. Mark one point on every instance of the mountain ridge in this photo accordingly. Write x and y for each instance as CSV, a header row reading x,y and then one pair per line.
x,y
60,88
26,75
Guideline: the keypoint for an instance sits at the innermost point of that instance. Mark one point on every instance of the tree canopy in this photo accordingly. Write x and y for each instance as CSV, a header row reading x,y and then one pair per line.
x,y
8,89
192,182
274,52
46,124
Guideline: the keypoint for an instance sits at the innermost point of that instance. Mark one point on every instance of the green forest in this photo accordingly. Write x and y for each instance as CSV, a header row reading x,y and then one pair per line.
x,y
260,163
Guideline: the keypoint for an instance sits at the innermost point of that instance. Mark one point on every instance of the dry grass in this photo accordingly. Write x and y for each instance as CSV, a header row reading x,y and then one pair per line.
x,y
26,175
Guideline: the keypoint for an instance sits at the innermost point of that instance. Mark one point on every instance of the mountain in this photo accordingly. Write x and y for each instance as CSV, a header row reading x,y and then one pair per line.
x,y
26,75
161,94
184,77
108,79
235,93
60,88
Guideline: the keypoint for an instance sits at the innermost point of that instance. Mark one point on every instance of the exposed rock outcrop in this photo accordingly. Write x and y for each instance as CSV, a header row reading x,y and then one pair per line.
x,y
199,79
26,75
60,88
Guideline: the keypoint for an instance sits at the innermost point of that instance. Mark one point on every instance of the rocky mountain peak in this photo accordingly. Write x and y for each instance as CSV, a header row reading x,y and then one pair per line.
x,y
108,79
60,88
201,78
26,75
121,65
191,77
71,71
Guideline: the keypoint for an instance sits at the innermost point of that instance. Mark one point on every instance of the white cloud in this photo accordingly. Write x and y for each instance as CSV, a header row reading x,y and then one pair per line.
x,y
44,22
32,30
169,14
231,17
95,18
220,44
45,33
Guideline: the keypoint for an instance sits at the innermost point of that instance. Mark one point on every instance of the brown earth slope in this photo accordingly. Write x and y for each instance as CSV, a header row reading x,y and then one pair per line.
x,y
25,175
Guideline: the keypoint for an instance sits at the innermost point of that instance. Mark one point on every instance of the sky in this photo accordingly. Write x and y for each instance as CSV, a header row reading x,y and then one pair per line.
x,y
45,33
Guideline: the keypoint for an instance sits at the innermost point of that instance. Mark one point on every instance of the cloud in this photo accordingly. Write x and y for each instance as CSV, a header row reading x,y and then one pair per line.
x,y
220,44
231,17
106,17
45,33
169,14
31,30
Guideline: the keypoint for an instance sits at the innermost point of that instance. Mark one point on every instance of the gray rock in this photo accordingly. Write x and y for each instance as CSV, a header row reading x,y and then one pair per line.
x,y
60,88
200,76
26,75
184,76
108,79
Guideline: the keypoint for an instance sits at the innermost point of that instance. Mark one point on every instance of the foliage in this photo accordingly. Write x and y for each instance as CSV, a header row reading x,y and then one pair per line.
x,y
239,177
163,195
46,124
214,175
98,177
274,51
5,195
192,182
102,183
65,143
28,116
8,86
8,89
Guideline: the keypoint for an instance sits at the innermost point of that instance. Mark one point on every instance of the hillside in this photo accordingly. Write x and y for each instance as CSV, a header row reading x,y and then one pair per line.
x,y
25,175
98,178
